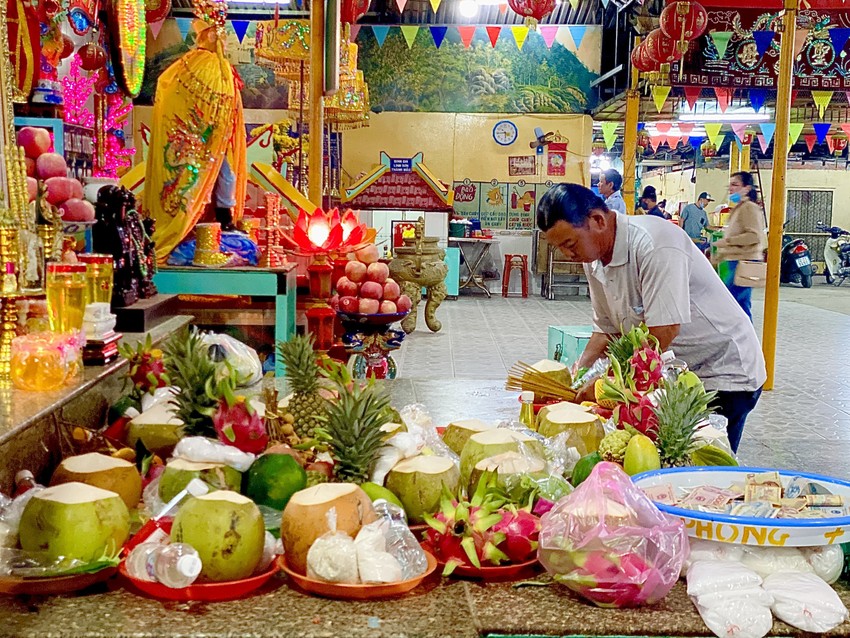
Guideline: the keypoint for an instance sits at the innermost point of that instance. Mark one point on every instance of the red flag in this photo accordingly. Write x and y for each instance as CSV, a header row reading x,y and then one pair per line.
x,y
846,128
724,97
830,143
493,34
686,128
466,35
692,95
811,140
663,127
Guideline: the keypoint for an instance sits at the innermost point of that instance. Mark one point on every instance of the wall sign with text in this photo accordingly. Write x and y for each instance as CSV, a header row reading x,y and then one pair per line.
x,y
499,205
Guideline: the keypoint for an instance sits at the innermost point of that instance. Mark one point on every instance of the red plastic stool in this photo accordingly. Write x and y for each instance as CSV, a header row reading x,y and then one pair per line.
x,y
515,262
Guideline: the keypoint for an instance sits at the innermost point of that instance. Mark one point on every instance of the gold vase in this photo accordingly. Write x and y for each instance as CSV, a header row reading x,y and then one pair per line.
x,y
208,246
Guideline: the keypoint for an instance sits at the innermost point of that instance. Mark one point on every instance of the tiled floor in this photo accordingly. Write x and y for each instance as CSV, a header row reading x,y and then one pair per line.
x,y
804,423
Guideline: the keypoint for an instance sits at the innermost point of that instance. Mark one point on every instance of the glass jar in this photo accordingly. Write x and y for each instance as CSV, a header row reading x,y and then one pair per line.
x,y
66,296
38,362
99,277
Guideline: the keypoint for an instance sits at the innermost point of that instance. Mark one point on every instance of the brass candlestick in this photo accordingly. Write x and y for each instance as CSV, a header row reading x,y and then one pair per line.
x,y
8,331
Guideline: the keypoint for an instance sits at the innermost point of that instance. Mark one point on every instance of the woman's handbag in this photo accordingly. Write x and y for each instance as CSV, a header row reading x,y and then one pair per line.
x,y
751,274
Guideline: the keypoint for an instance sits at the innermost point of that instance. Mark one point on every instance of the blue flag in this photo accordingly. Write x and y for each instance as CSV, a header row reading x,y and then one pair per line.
x,y
439,34
380,32
763,41
757,97
821,129
839,40
767,129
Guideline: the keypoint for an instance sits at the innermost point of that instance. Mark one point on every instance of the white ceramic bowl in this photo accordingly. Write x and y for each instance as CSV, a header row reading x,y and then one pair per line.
x,y
745,530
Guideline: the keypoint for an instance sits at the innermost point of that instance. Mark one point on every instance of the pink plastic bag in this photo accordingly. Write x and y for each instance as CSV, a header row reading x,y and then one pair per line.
x,y
609,543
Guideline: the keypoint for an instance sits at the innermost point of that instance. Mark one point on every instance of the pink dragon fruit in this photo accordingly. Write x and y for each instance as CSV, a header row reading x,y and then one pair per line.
x,y
646,368
521,529
237,423
641,416
612,580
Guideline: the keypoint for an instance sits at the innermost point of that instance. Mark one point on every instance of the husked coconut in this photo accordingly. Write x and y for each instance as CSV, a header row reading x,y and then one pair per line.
x,y
158,428
305,518
178,472
555,370
418,482
584,428
75,520
106,472
458,432
506,465
226,529
492,442
561,405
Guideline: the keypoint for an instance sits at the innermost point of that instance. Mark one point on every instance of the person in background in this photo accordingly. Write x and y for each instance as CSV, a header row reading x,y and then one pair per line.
x,y
645,270
224,197
649,202
743,237
662,205
610,183
694,219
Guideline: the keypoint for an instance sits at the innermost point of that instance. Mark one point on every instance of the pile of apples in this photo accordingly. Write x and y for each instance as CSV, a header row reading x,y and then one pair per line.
x,y
66,193
367,288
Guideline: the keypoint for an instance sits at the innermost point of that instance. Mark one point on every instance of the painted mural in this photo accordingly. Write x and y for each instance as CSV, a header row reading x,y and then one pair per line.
x,y
482,78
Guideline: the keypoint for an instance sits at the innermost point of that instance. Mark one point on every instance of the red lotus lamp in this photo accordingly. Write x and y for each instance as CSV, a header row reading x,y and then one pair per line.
x,y
532,10
839,143
352,10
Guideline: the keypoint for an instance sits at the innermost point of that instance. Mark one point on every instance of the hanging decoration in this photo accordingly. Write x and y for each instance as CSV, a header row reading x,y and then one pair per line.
x,y
708,150
822,100
609,133
352,10
80,15
846,128
435,4
740,131
598,148
794,130
763,40
409,31
692,94
240,28
92,55
757,98
157,10
839,37
466,35
155,27
520,34
712,132
77,89
438,34
811,139
128,31
116,158
641,61
24,46
532,10
839,143
721,42
768,128
683,21
724,97
763,143
549,34
401,4
659,96
493,33
661,49
380,32
821,130
577,33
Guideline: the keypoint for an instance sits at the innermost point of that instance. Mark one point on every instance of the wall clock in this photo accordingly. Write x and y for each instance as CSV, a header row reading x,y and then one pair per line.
x,y
505,133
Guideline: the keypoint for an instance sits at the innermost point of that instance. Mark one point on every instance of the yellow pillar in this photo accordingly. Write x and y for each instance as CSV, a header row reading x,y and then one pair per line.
x,y
745,157
630,139
734,158
315,158
777,187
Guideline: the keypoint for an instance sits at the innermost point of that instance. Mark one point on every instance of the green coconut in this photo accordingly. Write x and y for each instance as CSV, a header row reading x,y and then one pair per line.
x,y
226,529
584,428
105,472
178,473
506,465
418,482
492,442
75,521
458,432
158,429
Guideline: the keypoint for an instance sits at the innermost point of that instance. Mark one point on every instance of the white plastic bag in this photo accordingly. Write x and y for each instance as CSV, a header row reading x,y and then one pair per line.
x,y
710,576
201,449
765,561
333,556
711,550
242,359
737,619
827,561
375,564
805,601
754,595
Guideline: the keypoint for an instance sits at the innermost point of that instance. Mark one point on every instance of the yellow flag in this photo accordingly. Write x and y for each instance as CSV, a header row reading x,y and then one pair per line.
x,y
409,32
794,130
659,96
712,132
822,100
520,34
435,4
609,132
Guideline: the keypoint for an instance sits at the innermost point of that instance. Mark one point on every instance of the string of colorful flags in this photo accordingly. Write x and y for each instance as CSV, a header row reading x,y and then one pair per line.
x,y
570,36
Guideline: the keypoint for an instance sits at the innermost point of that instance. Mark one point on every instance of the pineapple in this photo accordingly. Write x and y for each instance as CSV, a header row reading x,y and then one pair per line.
x,y
192,370
306,405
679,411
352,425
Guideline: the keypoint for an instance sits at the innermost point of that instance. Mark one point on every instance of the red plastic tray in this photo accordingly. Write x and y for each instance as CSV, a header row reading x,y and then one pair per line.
x,y
55,585
501,572
208,592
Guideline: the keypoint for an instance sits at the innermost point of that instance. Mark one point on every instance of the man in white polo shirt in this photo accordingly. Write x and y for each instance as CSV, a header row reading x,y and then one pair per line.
x,y
645,269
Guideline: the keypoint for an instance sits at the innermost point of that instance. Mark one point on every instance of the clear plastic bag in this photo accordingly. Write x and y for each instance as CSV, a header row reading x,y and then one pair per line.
x,y
711,576
19,563
241,358
609,543
598,370
419,423
737,619
826,561
11,514
769,560
400,541
204,450
374,563
711,550
333,556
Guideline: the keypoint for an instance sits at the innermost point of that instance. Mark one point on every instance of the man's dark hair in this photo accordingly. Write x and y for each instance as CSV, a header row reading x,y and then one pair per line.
x,y
649,193
614,178
570,203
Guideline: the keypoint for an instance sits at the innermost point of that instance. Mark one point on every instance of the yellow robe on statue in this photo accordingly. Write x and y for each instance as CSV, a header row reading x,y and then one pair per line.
x,y
197,119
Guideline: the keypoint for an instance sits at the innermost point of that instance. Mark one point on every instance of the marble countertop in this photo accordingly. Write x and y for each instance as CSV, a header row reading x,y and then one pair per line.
x,y
19,409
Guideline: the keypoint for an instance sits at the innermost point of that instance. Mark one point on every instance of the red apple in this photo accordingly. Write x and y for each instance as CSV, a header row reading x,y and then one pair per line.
x,y
32,188
368,254
30,163
77,210
371,290
378,272
355,271
334,302
61,189
50,165
349,304
388,307
403,303
346,288
391,290
369,306
36,141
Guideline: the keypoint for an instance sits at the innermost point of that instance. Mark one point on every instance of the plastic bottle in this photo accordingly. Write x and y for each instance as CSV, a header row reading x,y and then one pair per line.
x,y
153,528
672,367
176,565
24,481
526,413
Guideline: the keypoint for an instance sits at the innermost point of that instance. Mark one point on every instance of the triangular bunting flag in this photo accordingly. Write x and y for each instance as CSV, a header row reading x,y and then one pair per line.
x,y
493,34
663,127
724,97
822,100
757,97
811,140
763,143
763,41
520,34
354,30
439,34
696,141
739,130
240,27
577,31
184,24
401,4
794,96
605,3
657,141
380,32
409,32
821,129
155,28
800,36
794,130
503,8
609,132
466,34
721,42
548,34
830,143
659,96
673,141
846,128
685,128
692,95
574,4
768,128
435,4
712,130
641,126
839,39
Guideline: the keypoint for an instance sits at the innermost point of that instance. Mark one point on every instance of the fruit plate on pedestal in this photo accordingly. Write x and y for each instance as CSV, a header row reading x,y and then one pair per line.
x,y
357,592
372,320
206,592
54,585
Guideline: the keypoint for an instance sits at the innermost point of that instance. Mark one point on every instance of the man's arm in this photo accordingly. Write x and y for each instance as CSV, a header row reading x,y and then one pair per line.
x,y
594,350
664,334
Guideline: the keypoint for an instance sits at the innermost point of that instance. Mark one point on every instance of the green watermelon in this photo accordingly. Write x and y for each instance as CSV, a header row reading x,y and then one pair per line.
x,y
273,478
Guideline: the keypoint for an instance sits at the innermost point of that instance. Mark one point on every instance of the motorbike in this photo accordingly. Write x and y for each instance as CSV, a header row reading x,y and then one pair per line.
x,y
836,254
796,264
